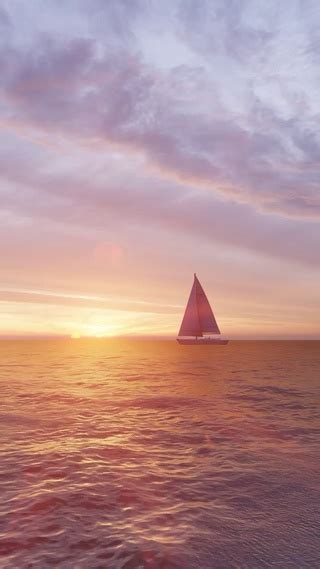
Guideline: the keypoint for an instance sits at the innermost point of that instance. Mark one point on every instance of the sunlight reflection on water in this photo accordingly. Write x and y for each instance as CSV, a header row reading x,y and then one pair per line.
x,y
128,454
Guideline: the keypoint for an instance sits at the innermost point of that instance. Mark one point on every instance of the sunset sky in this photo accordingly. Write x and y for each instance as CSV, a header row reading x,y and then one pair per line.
x,y
142,141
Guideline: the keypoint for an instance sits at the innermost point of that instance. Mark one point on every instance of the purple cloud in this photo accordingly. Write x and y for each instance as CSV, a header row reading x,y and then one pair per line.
x,y
68,89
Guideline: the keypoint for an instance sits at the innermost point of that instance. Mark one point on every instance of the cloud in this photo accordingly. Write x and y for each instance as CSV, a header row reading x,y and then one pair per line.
x,y
72,87
223,148
4,18
93,302
72,199
224,27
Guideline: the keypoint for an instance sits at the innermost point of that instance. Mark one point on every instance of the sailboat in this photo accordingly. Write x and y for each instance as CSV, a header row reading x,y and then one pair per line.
x,y
199,320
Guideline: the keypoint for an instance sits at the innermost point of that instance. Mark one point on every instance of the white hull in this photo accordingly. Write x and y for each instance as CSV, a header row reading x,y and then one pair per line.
x,y
202,341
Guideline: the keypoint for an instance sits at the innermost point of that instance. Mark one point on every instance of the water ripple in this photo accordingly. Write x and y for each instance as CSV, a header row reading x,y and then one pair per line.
x,y
128,455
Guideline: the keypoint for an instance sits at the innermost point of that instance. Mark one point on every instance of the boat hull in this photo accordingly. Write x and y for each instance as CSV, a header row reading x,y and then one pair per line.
x,y
202,341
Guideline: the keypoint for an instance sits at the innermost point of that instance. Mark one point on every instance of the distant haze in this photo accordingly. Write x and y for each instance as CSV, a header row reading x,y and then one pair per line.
x,y
141,142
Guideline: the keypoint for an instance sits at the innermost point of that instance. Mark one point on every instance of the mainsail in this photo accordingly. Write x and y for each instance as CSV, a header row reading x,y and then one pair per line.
x,y
198,318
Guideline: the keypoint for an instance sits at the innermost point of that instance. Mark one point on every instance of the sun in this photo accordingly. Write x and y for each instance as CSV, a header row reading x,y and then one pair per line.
x,y
75,335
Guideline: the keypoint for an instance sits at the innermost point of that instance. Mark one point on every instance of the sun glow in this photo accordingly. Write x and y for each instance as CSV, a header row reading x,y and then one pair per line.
x,y
96,331
100,330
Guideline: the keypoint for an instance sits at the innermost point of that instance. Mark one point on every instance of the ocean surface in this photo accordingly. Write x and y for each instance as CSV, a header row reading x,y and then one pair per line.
x,y
127,454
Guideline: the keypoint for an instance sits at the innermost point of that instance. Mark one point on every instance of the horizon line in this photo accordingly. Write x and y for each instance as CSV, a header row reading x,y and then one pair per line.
x,y
4,337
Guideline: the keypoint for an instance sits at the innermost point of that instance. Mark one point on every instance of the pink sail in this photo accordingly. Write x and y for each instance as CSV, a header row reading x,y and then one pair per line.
x,y
190,325
198,318
206,317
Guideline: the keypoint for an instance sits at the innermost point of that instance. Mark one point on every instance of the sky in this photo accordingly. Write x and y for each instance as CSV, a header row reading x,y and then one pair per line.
x,y
143,141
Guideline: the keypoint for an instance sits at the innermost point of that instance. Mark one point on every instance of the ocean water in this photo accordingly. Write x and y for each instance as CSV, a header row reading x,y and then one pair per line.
x,y
138,454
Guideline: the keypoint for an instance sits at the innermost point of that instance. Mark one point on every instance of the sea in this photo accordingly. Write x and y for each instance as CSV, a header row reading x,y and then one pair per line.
x,y
131,454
